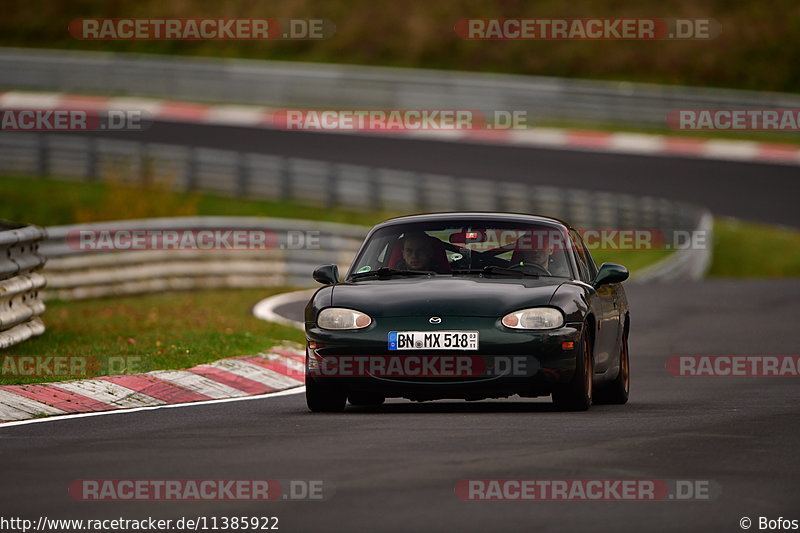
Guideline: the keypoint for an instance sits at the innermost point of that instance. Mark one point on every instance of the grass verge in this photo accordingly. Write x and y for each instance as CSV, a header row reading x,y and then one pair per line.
x,y
50,202
153,332
751,250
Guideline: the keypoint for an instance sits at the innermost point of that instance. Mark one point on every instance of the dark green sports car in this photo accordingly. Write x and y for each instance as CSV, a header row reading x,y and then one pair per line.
x,y
471,306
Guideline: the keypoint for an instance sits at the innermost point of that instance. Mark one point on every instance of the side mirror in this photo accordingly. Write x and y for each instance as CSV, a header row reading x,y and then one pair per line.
x,y
610,273
327,274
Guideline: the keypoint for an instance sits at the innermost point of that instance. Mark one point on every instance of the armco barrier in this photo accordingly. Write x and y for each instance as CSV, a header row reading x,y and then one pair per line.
x,y
73,273
288,84
20,283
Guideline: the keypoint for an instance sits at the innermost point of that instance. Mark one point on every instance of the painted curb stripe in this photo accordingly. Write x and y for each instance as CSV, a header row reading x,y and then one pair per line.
x,y
184,111
257,373
199,384
232,380
108,392
15,407
285,367
157,388
8,413
60,399
290,354
587,140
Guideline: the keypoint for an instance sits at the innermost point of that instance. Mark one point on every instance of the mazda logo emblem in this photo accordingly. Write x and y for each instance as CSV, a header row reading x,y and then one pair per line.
x,y
435,320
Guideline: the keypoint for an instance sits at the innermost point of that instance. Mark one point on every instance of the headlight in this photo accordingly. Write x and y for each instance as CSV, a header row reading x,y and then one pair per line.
x,y
341,318
534,318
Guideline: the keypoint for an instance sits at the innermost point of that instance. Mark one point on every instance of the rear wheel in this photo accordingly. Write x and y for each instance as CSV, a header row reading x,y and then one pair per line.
x,y
577,395
616,392
325,397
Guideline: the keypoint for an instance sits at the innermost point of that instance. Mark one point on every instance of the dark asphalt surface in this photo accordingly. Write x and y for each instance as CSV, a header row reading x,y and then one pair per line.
x,y
763,192
395,469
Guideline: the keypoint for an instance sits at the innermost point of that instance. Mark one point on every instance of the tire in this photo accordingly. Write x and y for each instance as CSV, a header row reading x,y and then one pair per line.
x,y
325,397
577,394
616,392
365,399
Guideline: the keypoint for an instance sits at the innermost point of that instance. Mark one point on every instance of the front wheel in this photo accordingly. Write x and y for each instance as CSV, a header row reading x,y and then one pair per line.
x,y
577,394
325,397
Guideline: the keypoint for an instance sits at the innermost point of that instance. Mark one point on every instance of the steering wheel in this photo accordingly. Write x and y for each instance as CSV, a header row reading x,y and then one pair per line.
x,y
540,268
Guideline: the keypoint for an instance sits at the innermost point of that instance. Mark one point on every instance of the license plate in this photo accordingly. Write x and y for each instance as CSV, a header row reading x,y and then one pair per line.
x,y
433,340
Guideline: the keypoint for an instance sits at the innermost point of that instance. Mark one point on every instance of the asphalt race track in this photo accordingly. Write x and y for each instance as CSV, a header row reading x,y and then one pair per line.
x,y
764,192
395,469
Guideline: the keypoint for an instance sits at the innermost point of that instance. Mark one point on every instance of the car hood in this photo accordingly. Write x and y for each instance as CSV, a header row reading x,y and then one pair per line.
x,y
457,296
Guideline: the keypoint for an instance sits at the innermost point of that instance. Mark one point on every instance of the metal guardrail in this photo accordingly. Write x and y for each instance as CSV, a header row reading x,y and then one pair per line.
x,y
73,273
688,263
288,84
20,283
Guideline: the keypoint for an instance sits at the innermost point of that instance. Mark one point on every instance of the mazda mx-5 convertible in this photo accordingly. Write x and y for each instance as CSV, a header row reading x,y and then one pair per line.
x,y
470,306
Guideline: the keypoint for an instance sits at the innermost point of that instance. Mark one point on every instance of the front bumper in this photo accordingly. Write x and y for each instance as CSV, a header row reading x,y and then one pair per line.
x,y
507,362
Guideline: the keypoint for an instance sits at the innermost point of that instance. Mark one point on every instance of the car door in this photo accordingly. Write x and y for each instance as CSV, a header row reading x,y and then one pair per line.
x,y
607,313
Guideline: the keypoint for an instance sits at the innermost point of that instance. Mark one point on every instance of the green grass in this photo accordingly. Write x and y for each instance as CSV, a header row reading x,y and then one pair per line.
x,y
757,49
750,250
152,332
633,260
49,202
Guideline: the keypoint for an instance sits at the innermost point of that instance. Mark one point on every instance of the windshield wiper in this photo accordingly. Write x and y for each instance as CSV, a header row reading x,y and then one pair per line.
x,y
386,272
493,269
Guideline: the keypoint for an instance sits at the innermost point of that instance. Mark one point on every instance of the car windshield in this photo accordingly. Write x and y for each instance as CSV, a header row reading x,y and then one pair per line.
x,y
464,248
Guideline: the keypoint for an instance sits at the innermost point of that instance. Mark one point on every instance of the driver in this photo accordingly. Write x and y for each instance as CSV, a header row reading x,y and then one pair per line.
x,y
417,252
